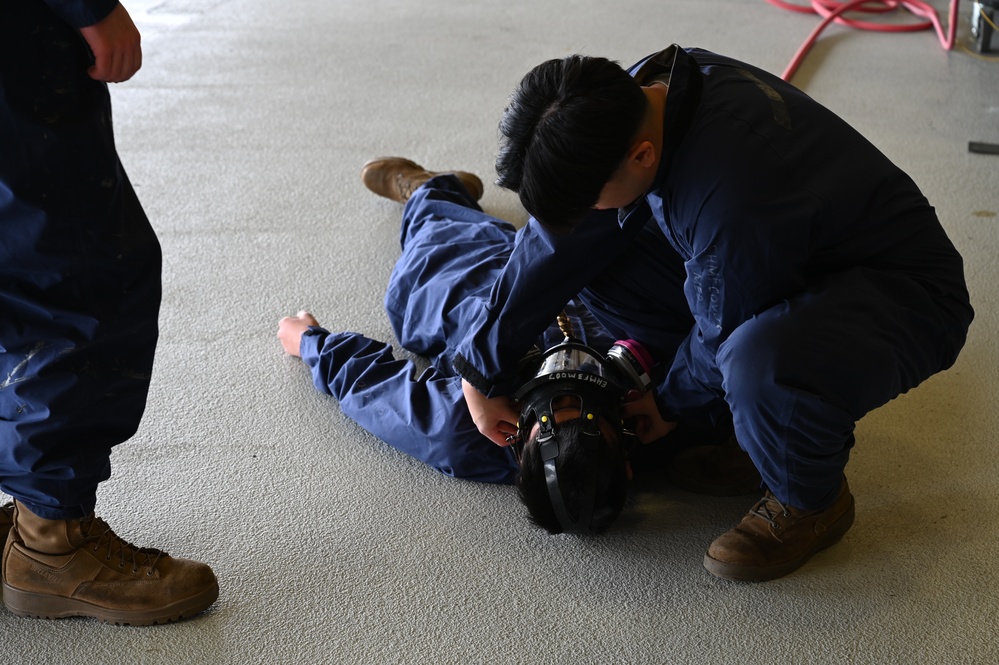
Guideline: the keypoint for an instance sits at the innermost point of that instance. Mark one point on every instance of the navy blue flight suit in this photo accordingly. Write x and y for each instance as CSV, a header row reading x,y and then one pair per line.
x,y
820,280
79,266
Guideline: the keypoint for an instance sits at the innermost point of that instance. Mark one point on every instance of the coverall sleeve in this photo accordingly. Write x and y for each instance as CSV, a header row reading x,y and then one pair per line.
x,y
424,417
81,13
544,272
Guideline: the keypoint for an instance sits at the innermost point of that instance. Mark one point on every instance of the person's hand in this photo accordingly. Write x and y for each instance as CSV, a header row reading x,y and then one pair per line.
x,y
644,414
496,417
115,42
291,329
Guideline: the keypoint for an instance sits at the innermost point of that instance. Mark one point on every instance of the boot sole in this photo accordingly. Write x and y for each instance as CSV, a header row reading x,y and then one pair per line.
x,y
42,606
741,573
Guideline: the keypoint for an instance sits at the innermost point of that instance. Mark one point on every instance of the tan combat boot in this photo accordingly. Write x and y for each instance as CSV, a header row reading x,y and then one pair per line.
x,y
773,539
397,178
54,569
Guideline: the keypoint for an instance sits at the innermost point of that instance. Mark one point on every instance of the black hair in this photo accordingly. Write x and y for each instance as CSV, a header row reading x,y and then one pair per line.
x,y
575,471
568,126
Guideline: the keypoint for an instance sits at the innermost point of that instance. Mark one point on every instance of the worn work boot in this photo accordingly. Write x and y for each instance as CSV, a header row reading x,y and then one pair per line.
x,y
397,178
54,569
6,521
774,539
722,470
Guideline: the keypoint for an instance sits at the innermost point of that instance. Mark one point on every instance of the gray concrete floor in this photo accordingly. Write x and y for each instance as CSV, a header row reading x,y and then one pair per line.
x,y
244,135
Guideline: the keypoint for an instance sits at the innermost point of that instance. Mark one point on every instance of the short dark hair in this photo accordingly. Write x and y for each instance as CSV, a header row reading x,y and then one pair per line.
x,y
568,126
574,466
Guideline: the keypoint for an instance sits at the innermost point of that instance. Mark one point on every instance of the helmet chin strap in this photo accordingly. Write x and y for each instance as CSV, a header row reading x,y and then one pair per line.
x,y
550,449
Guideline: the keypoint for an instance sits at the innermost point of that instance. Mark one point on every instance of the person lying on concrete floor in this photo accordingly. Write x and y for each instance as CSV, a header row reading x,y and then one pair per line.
x,y
572,461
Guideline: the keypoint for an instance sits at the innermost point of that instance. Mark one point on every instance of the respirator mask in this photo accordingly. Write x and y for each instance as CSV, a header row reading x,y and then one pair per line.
x,y
597,384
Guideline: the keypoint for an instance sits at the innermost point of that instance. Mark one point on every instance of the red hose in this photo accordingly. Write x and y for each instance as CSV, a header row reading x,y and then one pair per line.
x,y
832,10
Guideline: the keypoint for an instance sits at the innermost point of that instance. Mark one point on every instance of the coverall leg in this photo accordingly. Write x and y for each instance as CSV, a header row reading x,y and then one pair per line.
x,y
801,374
79,272
445,237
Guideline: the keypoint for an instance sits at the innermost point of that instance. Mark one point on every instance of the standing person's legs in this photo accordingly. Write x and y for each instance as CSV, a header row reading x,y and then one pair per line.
x,y
79,301
78,325
79,273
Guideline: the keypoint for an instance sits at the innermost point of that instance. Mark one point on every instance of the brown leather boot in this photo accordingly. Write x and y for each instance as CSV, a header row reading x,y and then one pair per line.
x,y
723,470
397,178
54,569
774,540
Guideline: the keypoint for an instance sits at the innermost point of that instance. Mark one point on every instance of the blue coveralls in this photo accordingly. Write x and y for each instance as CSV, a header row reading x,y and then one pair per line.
x,y
79,266
452,252
821,282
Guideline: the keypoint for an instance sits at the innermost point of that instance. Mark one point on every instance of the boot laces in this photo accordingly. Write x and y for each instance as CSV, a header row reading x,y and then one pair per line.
x,y
105,540
769,509
407,183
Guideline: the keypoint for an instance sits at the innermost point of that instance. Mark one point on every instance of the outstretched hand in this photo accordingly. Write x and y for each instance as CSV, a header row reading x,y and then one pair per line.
x,y
291,329
115,42
496,417
648,423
